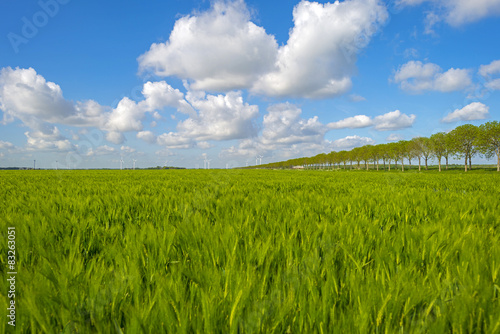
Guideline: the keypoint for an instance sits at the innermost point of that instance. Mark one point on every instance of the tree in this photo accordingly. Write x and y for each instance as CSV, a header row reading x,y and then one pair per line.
x,y
401,149
490,140
422,149
375,154
409,151
438,143
393,153
465,142
366,154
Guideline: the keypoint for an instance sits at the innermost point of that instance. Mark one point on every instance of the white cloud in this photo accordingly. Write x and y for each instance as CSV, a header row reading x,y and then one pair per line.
x,y
48,139
38,103
488,72
147,136
319,57
471,112
204,145
394,137
356,98
394,120
452,80
490,69
416,77
459,12
465,11
127,149
100,151
115,137
285,134
127,116
359,121
6,145
220,49
283,125
493,84
220,117
27,96
174,140
351,142
317,61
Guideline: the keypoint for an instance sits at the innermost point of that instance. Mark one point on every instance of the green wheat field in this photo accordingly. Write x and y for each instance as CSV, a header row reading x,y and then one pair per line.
x,y
252,251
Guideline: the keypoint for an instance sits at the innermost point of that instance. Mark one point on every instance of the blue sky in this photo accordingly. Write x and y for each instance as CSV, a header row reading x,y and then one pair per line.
x,y
89,83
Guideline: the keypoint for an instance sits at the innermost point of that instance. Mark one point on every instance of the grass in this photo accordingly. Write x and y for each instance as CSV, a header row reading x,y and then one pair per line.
x,y
184,251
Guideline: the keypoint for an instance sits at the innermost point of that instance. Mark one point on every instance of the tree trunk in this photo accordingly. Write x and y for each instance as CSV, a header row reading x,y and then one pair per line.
x,y
419,163
366,164
383,160
470,161
446,162
409,160
426,163
439,159
389,165
402,165
498,162
498,159
350,168
466,162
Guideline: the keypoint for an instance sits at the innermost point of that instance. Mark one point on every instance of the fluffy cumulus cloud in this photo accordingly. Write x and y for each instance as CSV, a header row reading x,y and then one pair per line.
x,y
6,145
283,125
216,118
100,151
355,122
351,142
471,112
220,49
27,96
147,136
317,61
393,120
286,134
38,103
47,140
319,57
417,77
220,117
459,12
490,73
394,137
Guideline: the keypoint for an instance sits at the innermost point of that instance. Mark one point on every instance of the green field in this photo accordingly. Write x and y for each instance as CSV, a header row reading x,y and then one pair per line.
x,y
246,251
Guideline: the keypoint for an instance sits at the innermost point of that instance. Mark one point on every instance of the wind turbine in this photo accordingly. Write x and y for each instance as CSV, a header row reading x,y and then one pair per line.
x,y
260,159
134,160
256,160
208,163
121,163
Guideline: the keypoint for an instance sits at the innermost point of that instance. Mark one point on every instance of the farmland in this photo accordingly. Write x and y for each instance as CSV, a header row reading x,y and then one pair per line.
x,y
253,251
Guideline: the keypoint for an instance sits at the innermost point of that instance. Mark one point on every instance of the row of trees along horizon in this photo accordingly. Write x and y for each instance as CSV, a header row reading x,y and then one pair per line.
x,y
464,142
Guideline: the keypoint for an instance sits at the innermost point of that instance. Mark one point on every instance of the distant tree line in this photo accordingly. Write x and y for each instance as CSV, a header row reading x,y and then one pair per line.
x,y
464,142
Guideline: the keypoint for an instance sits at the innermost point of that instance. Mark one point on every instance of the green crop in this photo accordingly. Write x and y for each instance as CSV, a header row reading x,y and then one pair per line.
x,y
248,251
